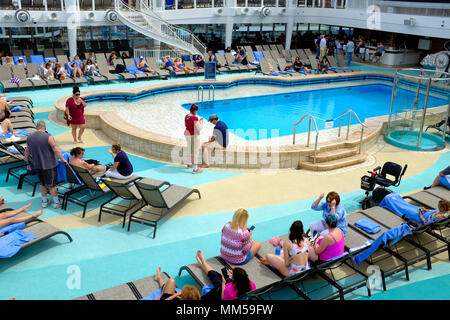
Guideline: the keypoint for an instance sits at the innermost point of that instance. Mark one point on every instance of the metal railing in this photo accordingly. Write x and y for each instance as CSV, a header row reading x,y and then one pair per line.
x,y
160,26
311,118
350,112
211,87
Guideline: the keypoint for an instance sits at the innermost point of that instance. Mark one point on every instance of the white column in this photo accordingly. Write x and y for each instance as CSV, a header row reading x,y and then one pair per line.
x,y
229,32
289,30
72,35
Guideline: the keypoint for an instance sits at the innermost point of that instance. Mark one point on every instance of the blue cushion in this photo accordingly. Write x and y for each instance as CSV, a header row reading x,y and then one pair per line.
x,y
48,59
133,70
274,74
186,58
39,59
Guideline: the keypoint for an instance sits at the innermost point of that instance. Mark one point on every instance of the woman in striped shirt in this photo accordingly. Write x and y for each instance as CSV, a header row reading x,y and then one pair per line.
x,y
237,245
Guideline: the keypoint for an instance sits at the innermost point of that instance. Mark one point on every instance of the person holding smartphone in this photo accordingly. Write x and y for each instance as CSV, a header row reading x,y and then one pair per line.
x,y
237,246
74,114
192,134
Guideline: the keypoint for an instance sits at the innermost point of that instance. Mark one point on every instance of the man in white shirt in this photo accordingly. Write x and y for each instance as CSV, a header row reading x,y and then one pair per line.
x,y
350,49
323,47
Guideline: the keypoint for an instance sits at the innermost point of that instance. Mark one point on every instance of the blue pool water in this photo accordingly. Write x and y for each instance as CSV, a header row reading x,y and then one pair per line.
x,y
247,116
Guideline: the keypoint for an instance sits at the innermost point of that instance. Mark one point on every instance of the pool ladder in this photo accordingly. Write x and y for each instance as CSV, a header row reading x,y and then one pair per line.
x,y
211,87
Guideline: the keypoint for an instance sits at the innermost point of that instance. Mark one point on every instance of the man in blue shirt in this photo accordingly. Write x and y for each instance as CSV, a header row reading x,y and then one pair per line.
x,y
218,140
350,49
443,179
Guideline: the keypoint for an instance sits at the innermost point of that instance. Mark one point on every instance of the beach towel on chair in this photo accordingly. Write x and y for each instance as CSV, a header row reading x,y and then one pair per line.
x,y
395,203
16,108
133,70
388,238
368,226
20,133
11,242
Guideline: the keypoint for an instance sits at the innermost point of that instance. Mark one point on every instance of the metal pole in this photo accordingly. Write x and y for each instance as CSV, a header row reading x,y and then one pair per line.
x,y
340,124
360,141
416,99
348,127
424,112
293,138
309,132
392,98
315,148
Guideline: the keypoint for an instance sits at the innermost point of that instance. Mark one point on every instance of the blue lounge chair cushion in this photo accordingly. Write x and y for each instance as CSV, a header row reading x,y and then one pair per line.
x,y
444,181
368,226
50,58
258,55
39,59
12,227
11,243
274,74
186,58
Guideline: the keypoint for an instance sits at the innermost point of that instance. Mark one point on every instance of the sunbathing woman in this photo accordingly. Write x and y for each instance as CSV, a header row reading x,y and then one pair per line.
x,y
295,253
77,154
442,213
180,65
7,218
5,124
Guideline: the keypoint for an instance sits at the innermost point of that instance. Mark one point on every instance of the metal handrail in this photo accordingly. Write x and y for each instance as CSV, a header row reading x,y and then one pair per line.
x,y
198,93
213,91
350,112
309,133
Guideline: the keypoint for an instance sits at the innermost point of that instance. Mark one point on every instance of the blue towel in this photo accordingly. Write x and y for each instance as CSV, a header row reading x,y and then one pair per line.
x,y
368,225
133,70
12,227
61,168
155,294
274,74
11,243
16,108
20,133
39,59
388,238
395,203
50,58
346,69
258,55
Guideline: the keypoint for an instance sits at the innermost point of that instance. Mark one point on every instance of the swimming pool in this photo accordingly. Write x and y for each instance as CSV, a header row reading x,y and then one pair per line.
x,y
247,116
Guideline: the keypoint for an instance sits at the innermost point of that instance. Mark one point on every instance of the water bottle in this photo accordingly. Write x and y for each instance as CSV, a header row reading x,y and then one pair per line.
x,y
278,249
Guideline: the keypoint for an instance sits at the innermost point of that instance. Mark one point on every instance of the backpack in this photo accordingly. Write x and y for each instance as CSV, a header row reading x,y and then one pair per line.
x,y
120,68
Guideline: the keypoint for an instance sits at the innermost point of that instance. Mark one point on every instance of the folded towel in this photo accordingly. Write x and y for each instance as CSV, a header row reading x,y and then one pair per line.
x,y
11,243
12,149
368,226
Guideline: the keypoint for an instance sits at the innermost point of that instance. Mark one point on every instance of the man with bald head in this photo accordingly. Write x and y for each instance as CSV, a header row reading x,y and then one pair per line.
x,y
45,152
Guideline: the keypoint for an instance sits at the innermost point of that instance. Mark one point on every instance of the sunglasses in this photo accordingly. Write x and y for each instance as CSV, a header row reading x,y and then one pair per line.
x,y
77,94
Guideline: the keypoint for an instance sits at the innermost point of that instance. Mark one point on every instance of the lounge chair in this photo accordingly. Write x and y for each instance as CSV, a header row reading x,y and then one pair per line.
x,y
103,68
429,198
131,68
230,62
277,69
134,290
266,47
41,229
282,65
303,57
124,75
440,126
33,72
5,76
7,157
267,54
62,59
259,48
19,72
275,54
129,198
20,99
72,185
48,53
265,70
148,74
154,65
166,200
221,59
342,63
92,192
279,47
314,64
332,66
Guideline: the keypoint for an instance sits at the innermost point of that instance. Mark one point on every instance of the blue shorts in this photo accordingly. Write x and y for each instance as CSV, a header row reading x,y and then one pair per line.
x,y
444,181
249,256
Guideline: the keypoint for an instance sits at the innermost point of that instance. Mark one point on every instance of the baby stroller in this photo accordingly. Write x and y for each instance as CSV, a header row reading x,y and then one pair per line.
x,y
380,178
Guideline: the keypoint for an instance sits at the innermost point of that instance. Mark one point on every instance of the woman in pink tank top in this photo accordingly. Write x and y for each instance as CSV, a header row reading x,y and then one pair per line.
x,y
330,246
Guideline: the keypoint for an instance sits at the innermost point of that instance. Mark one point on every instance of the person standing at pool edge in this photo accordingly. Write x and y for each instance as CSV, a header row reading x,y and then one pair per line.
x,y
192,135
75,114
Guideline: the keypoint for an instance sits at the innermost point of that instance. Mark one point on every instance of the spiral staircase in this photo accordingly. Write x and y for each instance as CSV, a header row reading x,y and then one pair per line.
x,y
145,21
